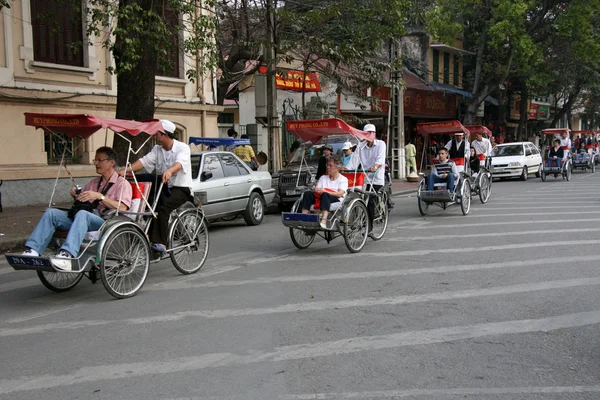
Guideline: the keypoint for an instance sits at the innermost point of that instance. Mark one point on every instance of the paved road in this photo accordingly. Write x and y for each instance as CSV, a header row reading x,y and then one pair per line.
x,y
501,304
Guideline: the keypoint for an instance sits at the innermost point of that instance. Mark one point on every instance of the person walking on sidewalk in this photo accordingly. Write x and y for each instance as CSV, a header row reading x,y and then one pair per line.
x,y
410,151
96,198
171,159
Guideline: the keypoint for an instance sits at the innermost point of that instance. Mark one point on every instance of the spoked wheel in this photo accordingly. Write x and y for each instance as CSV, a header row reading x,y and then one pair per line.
x,y
593,167
423,206
569,172
59,281
485,188
380,220
543,175
357,227
465,203
301,238
188,237
124,262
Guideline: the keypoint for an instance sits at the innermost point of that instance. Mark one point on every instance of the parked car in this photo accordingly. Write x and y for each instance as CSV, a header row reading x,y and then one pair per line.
x,y
512,160
285,181
230,187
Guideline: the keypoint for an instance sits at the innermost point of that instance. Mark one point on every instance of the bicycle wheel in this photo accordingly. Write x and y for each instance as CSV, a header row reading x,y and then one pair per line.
x,y
380,219
124,262
301,238
188,240
357,227
59,281
465,202
485,188
423,206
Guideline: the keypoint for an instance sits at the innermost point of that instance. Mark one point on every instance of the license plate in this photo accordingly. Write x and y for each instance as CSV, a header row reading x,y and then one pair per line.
x,y
292,192
28,261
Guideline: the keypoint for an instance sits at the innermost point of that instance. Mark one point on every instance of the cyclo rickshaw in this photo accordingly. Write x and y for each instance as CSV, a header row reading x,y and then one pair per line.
x,y
348,218
119,252
589,159
481,182
440,195
566,167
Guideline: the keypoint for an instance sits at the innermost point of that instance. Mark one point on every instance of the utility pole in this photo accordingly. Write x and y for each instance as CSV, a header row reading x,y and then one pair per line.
x,y
272,117
396,116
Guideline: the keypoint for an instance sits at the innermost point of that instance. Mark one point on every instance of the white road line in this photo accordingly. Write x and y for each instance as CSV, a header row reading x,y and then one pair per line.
x,y
40,314
387,273
526,214
464,250
491,234
444,393
19,284
557,207
305,307
296,352
488,224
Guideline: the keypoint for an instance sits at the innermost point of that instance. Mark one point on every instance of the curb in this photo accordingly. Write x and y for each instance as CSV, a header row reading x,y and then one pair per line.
x,y
10,244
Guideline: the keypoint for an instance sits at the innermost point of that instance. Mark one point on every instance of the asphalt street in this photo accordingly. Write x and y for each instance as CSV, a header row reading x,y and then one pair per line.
x,y
500,304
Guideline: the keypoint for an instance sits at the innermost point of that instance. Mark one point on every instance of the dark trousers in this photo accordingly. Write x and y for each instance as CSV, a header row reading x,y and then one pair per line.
x,y
160,227
371,204
326,199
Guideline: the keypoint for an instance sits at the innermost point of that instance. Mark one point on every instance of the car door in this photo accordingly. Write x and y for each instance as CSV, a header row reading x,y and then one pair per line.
x,y
537,158
528,157
215,184
239,181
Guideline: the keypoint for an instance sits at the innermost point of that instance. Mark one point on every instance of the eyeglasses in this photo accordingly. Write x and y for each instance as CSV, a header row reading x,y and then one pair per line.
x,y
441,154
96,160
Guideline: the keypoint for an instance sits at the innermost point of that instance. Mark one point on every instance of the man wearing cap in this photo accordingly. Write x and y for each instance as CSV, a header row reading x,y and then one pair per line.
x,y
372,156
350,159
458,149
171,158
322,168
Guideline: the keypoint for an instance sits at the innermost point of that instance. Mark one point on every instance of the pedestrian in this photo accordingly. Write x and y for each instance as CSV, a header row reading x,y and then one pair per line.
x,y
246,153
171,159
410,152
232,134
92,203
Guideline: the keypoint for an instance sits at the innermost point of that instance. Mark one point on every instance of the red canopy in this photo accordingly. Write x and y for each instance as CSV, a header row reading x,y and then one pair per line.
x,y
313,130
475,129
441,128
585,132
84,125
555,131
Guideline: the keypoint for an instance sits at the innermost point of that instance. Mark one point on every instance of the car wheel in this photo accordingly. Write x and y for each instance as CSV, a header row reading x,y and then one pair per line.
x,y
524,174
255,210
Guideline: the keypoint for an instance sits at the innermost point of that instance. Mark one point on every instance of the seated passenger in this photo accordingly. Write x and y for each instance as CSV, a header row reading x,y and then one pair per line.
x,y
330,188
350,158
556,154
100,195
443,171
474,162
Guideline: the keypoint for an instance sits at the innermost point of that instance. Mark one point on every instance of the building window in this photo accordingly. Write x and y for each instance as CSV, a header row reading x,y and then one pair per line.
x,y
55,145
169,66
436,66
225,118
456,70
446,68
57,32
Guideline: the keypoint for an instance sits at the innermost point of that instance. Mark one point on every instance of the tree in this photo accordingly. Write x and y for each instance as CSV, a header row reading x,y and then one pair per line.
x,y
139,36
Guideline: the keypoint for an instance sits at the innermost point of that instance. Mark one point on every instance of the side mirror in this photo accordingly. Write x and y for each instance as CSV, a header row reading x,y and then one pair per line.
x,y
204,176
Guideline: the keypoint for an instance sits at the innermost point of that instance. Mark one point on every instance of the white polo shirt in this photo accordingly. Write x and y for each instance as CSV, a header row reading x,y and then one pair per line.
x,y
370,156
160,160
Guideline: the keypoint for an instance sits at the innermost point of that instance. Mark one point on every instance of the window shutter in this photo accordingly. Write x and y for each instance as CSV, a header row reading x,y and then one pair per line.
x,y
169,67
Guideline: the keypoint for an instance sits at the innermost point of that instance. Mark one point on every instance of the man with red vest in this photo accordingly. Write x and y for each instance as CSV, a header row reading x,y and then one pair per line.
x,y
458,149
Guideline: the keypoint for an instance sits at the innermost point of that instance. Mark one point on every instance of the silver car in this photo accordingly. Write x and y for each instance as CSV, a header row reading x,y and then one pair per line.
x,y
229,187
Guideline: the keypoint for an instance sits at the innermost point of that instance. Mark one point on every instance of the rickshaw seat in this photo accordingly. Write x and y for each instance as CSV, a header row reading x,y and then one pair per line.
x,y
333,207
357,183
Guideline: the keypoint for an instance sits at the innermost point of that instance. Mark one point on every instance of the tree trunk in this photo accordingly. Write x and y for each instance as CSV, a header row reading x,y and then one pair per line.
x,y
135,86
522,129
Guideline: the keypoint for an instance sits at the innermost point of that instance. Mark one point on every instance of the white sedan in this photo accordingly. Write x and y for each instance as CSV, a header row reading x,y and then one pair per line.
x,y
519,159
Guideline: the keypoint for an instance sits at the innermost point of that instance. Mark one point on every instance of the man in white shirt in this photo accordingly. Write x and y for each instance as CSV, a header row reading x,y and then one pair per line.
x,y
372,157
458,150
565,142
171,158
482,145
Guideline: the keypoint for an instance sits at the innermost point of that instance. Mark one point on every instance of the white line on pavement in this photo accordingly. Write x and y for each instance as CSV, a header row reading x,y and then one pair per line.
x,y
526,214
45,313
444,393
488,224
388,273
560,206
305,307
491,234
296,352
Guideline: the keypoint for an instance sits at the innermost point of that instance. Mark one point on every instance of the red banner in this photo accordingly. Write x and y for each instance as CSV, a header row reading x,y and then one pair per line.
x,y
429,104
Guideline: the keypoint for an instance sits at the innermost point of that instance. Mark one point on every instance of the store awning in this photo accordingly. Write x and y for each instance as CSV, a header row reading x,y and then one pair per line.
x,y
454,89
441,128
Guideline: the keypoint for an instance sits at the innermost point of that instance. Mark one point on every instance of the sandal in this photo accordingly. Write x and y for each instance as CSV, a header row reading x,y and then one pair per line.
x,y
323,224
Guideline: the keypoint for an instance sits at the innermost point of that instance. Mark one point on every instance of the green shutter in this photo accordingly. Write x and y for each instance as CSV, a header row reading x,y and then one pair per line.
x,y
446,68
436,66
456,70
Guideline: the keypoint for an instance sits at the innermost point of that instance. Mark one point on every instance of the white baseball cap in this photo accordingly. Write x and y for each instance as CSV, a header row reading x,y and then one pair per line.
x,y
168,126
459,134
369,128
347,146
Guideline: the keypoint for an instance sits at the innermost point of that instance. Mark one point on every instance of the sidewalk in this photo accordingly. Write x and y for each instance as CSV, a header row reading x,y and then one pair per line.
x,y
17,223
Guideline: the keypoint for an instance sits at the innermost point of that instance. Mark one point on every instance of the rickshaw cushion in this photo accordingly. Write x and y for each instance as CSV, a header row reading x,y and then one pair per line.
x,y
460,161
481,157
352,183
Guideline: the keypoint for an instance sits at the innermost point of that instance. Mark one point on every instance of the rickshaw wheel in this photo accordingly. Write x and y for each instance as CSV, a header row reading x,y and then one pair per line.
x,y
124,262
593,168
568,172
59,281
301,238
382,215
485,188
189,229
357,227
543,175
423,206
465,203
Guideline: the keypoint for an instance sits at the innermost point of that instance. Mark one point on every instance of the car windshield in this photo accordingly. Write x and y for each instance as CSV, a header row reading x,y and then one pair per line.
x,y
315,152
508,150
